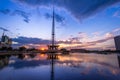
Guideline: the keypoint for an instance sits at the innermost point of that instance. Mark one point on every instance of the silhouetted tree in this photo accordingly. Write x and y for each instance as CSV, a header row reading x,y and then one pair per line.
x,y
31,49
63,49
3,48
10,49
22,48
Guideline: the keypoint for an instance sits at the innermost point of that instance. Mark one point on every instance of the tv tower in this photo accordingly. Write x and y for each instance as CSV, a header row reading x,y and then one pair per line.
x,y
53,48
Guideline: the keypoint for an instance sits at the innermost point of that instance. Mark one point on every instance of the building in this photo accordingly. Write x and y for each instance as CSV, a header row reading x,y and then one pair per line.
x,y
5,41
117,42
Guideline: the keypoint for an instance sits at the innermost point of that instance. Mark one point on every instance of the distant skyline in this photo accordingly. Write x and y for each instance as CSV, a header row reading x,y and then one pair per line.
x,y
88,24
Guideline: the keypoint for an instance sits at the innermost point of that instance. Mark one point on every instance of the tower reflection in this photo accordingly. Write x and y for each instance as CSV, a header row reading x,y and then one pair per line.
x,y
52,67
52,57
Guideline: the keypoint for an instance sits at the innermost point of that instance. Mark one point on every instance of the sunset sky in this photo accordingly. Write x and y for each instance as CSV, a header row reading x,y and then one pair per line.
x,y
89,24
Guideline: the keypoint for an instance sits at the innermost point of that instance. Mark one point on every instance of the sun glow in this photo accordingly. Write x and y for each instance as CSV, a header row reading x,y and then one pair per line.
x,y
42,49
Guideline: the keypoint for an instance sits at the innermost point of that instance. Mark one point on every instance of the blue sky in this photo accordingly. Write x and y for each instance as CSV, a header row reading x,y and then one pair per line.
x,y
78,21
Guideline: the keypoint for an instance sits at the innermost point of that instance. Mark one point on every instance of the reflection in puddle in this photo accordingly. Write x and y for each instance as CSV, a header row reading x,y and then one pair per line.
x,y
60,67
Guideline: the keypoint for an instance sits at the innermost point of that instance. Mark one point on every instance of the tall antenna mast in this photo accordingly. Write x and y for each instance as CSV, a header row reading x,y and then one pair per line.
x,y
53,26
53,48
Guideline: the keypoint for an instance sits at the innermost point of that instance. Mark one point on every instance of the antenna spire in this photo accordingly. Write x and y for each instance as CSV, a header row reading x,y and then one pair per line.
x,y
53,47
53,26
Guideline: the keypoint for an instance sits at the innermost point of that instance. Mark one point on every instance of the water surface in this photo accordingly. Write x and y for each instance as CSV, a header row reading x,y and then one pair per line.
x,y
76,66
